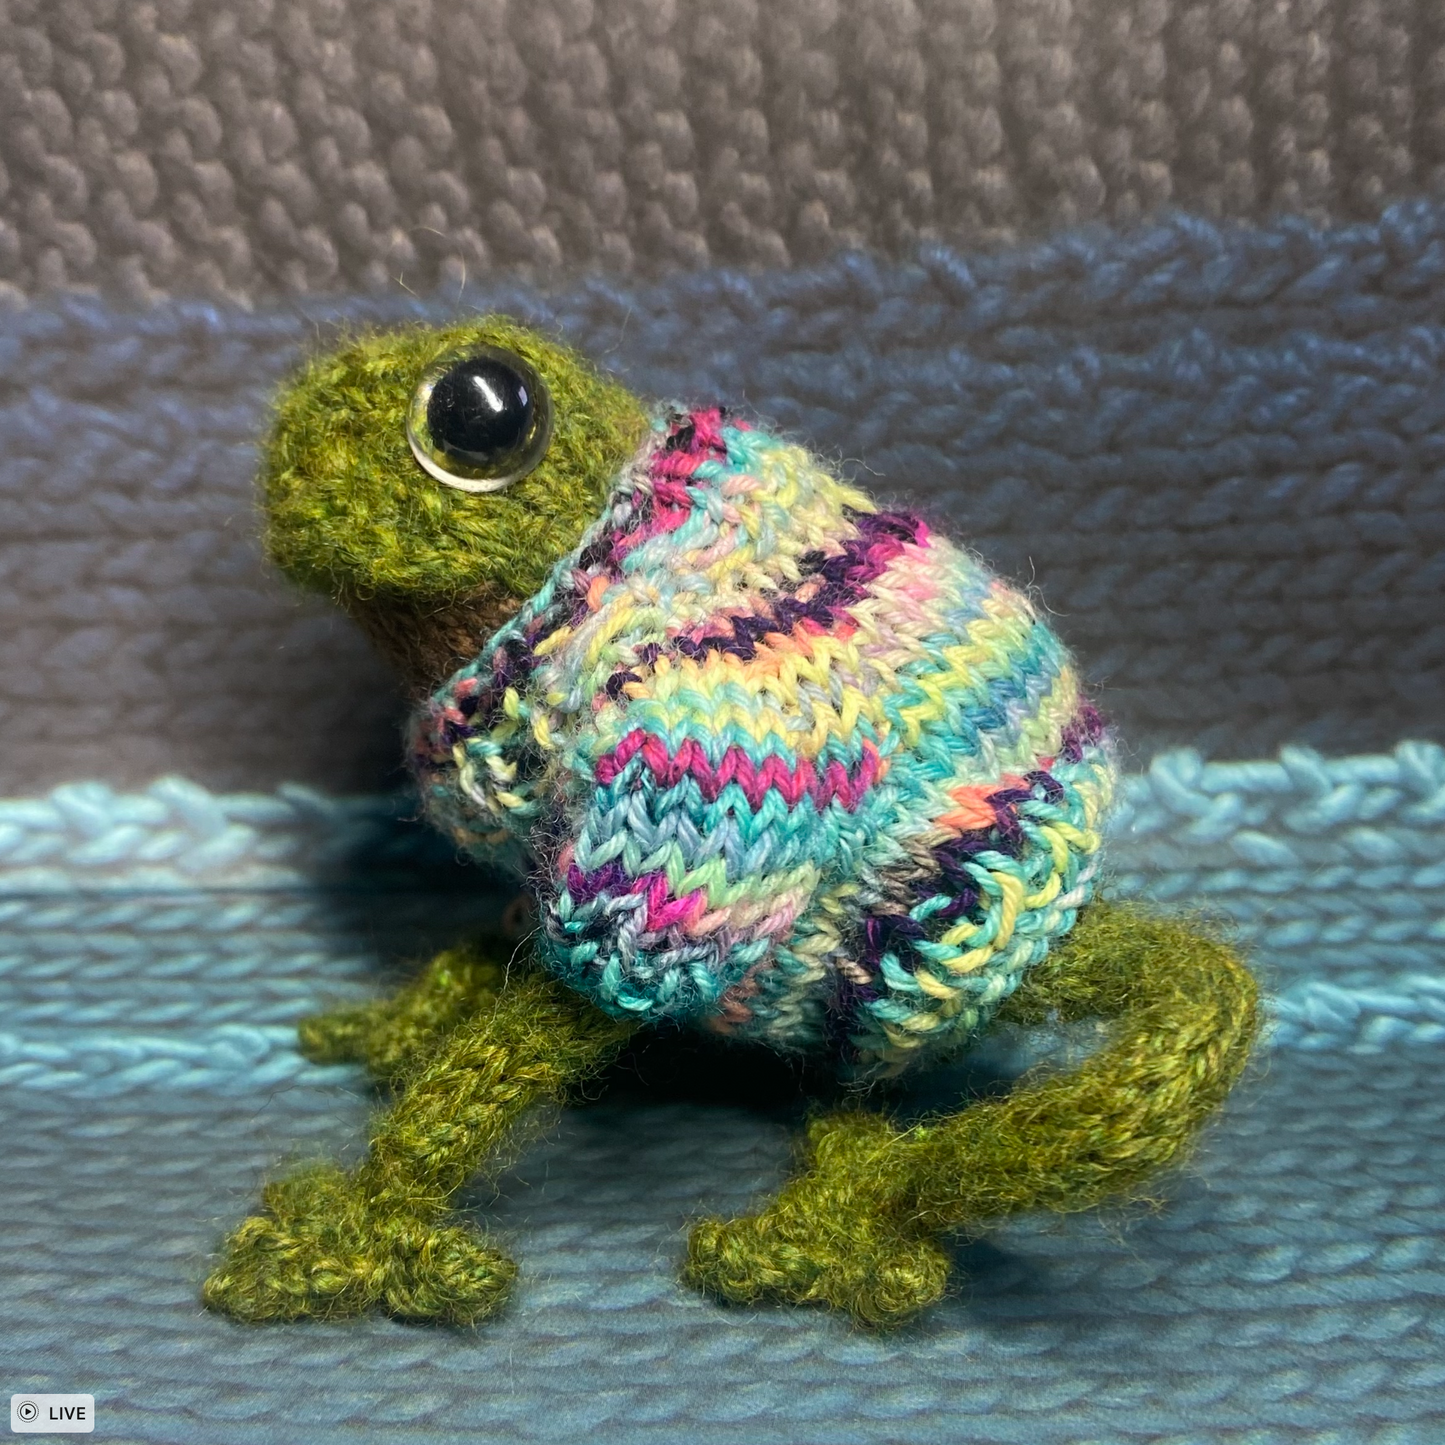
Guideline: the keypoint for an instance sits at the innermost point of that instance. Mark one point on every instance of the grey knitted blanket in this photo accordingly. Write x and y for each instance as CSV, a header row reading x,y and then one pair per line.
x,y
291,145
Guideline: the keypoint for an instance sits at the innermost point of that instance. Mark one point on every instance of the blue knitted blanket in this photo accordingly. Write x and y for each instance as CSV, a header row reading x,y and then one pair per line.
x,y
1215,450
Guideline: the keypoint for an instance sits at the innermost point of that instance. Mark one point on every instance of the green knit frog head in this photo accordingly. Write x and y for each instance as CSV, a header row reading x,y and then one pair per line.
x,y
428,479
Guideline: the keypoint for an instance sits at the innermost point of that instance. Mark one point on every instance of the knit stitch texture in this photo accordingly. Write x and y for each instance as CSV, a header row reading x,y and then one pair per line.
x,y
304,145
792,765
173,938
1288,1293
1215,449
1219,451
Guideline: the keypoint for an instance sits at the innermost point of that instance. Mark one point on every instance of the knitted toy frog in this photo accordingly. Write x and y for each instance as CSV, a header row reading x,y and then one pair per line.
x,y
776,764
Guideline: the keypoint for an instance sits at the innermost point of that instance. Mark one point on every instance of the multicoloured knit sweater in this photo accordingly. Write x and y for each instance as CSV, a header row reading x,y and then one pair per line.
x,y
778,763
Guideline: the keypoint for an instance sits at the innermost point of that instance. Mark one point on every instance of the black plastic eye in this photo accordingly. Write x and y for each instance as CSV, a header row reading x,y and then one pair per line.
x,y
480,419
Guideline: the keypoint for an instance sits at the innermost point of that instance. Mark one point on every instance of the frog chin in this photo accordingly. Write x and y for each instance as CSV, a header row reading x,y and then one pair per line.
x,y
427,641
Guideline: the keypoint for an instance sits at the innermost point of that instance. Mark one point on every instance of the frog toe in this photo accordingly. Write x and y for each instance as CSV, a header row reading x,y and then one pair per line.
x,y
322,1250
451,1275
872,1269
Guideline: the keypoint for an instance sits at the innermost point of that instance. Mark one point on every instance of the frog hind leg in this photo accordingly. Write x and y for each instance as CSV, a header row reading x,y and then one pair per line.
x,y
392,1037
331,1243
859,1228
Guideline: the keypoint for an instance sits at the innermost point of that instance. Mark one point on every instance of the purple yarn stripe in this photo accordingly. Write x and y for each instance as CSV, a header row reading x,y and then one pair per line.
x,y
896,932
1083,730
846,576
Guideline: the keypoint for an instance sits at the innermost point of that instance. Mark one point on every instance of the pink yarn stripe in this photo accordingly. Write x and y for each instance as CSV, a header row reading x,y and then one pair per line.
x,y
737,768
672,469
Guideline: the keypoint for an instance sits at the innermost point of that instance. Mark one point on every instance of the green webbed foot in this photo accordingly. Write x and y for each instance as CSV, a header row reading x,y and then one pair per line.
x,y
332,1244
323,1249
837,1235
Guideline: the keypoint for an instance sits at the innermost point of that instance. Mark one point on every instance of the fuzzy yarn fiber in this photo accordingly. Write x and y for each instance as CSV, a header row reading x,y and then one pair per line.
x,y
340,483
782,764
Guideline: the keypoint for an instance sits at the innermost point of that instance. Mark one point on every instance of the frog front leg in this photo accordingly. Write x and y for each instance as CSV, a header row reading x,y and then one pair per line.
x,y
859,1228
394,1036
331,1244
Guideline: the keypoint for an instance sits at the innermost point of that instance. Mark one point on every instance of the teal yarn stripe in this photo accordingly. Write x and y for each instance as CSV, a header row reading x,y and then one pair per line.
x,y
232,1058
1325,866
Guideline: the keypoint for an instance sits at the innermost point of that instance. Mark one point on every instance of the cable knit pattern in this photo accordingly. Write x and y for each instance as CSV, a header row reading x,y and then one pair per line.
x,y
302,145
797,766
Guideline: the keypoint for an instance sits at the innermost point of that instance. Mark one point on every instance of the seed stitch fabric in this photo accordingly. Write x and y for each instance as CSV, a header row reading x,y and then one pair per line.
x,y
804,771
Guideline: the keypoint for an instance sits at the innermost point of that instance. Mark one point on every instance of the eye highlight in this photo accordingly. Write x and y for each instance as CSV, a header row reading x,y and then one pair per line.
x,y
481,419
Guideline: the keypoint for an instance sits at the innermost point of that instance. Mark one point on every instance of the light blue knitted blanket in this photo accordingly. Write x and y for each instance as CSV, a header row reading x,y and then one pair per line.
x,y
1330,871
159,946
